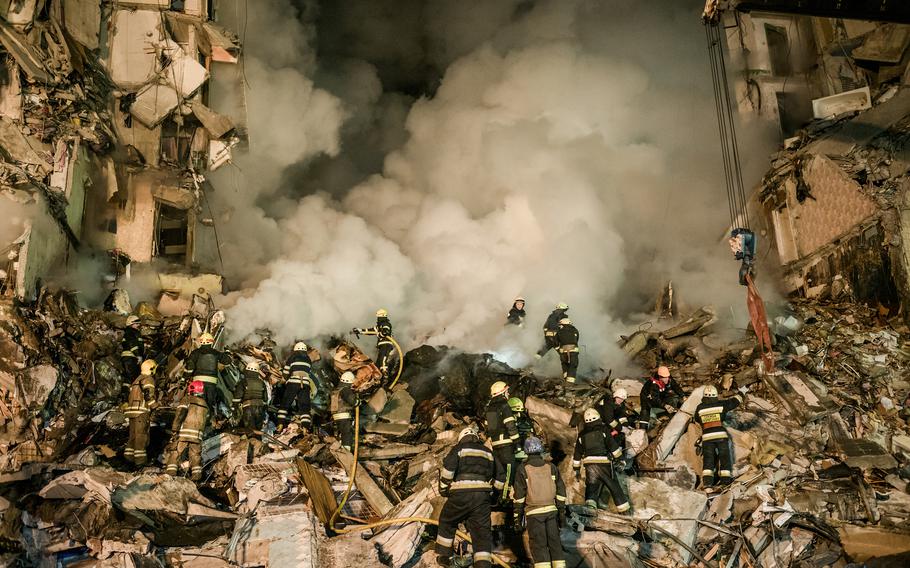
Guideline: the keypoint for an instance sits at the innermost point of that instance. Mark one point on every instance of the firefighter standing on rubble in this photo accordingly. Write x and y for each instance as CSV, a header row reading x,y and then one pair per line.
x,y
469,474
342,406
616,415
540,506
299,388
567,341
189,424
251,397
203,365
522,421
715,441
139,406
596,449
517,313
384,345
550,327
503,431
131,352
659,394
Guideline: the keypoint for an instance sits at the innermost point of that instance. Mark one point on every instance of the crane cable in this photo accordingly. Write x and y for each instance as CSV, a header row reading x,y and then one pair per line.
x,y
736,194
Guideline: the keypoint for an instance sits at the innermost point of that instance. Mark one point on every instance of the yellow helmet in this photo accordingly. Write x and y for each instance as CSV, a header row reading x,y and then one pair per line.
x,y
710,391
206,339
149,367
562,306
498,388
382,313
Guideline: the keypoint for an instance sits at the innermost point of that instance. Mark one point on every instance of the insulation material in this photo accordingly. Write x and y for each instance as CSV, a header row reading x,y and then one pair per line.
x,y
135,36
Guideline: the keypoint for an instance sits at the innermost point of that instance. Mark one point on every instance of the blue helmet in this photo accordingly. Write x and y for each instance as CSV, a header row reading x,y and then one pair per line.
x,y
533,445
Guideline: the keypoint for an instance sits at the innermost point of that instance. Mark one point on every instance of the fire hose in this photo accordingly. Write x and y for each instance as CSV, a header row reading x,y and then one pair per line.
x,y
400,361
384,522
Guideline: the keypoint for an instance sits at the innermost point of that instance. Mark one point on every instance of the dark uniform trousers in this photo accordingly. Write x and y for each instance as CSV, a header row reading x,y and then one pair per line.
x,y
253,415
472,507
543,537
505,455
296,394
716,457
194,455
600,475
139,438
569,361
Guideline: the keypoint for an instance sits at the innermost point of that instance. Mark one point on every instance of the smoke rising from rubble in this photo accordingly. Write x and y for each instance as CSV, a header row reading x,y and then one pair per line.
x,y
560,158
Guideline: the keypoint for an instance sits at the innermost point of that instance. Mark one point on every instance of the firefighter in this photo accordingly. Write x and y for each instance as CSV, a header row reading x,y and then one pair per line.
x,y
251,397
550,327
540,506
616,415
715,442
203,365
502,430
189,424
658,395
469,474
384,346
132,351
140,403
299,388
342,405
567,341
522,421
597,450
517,313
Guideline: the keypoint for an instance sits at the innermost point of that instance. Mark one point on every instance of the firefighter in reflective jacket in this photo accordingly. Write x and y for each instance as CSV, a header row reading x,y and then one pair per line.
x,y
203,365
659,394
550,327
517,313
567,340
189,424
540,505
299,388
250,398
469,474
132,351
616,415
502,430
342,406
597,450
384,346
715,443
522,421
141,402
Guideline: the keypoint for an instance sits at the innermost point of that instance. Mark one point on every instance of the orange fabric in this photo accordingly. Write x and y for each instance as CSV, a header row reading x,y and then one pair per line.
x,y
759,323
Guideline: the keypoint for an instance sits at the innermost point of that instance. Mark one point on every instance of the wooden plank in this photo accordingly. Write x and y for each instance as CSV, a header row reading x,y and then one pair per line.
x,y
365,484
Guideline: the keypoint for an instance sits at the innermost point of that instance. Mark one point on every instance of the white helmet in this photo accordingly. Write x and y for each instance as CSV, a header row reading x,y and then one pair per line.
x,y
252,367
565,321
347,377
301,346
469,431
620,394
591,415
710,391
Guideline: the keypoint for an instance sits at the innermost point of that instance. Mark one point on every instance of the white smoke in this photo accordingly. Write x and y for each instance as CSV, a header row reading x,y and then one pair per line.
x,y
553,161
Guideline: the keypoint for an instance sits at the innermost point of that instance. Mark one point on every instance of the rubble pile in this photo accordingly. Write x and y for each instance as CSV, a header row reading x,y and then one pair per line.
x,y
821,448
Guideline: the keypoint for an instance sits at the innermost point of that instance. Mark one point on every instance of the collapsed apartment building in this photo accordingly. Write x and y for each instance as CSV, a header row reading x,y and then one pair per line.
x,y
106,127
109,124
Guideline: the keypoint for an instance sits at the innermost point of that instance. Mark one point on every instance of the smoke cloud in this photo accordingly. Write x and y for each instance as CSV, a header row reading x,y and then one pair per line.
x,y
565,153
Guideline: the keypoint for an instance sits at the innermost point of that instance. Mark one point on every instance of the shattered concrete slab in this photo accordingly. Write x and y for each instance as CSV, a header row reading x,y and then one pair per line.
x,y
281,537
652,497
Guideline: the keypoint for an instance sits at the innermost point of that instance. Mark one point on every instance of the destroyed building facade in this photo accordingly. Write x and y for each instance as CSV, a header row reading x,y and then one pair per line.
x,y
106,128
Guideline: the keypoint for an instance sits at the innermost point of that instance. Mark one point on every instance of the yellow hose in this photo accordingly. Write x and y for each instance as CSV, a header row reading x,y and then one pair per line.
x,y
400,361
384,522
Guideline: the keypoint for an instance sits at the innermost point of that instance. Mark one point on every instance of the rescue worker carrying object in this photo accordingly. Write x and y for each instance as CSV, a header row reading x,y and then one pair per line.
x,y
550,327
384,345
540,506
251,398
567,341
299,388
470,474
342,407
189,425
658,395
203,365
139,406
597,451
715,441
502,430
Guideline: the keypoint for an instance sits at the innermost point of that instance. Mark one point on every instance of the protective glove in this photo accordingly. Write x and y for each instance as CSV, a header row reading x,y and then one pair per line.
x,y
561,518
519,523
521,455
669,409
356,331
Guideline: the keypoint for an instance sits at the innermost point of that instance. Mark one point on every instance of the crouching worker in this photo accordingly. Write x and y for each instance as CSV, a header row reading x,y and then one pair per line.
x,y
189,424
597,450
715,441
469,475
540,505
